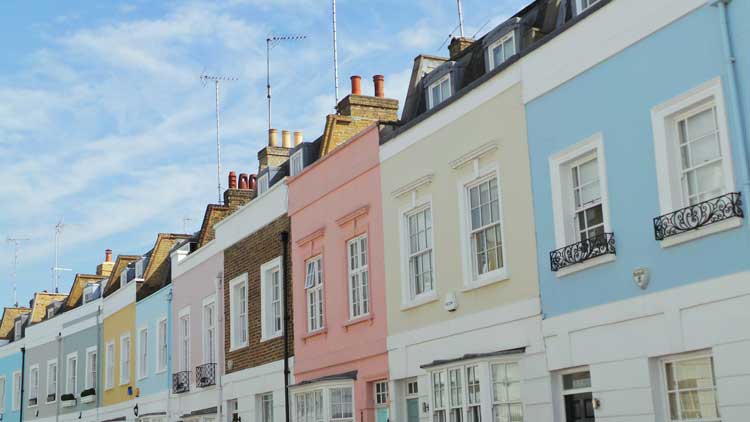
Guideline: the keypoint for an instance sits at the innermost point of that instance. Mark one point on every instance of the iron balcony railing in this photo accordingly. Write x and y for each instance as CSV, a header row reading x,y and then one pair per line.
x,y
205,375
181,382
699,215
584,250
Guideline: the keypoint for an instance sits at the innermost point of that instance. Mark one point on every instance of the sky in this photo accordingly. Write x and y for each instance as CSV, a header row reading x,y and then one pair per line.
x,y
106,126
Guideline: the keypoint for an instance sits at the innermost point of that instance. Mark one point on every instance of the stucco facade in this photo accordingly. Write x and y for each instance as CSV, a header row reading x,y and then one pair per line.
x,y
476,142
335,204
117,327
10,368
152,377
80,339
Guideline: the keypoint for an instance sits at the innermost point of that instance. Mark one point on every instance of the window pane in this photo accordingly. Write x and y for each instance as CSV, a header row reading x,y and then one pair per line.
x,y
701,124
705,149
577,380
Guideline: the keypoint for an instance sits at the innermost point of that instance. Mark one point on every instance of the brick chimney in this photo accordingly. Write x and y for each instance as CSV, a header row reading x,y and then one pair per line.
x,y
369,107
274,155
237,196
105,268
458,45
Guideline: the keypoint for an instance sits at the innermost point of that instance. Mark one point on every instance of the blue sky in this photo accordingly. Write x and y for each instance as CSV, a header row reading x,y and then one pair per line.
x,y
105,124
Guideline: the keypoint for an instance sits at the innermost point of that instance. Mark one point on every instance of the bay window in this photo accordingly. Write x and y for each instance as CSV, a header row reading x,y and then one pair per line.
x,y
333,403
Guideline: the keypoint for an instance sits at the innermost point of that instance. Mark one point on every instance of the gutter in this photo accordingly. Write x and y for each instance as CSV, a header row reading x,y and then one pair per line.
x,y
735,106
284,238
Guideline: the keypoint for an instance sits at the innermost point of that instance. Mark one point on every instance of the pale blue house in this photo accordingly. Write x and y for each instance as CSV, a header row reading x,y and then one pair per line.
x,y
639,155
11,362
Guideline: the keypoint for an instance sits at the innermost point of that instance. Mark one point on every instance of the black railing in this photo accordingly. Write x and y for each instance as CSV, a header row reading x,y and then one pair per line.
x,y
181,382
578,252
205,375
699,215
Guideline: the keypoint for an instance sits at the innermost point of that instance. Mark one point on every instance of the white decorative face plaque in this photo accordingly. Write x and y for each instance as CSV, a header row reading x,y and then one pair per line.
x,y
641,277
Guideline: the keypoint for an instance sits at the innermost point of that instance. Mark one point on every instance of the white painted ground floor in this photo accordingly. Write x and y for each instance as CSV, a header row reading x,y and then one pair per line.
x,y
257,394
681,354
485,366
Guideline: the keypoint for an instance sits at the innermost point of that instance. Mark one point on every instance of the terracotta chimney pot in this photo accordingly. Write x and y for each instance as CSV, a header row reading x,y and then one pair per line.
x,y
108,255
379,82
297,138
253,181
243,181
273,137
232,180
356,85
286,139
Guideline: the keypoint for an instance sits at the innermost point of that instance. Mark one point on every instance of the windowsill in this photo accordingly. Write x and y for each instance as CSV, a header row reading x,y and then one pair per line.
x,y
316,333
420,300
123,384
585,265
366,318
238,347
160,371
141,378
486,280
719,227
275,336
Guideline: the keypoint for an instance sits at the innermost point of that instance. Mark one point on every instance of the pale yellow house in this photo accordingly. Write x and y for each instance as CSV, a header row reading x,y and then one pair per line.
x,y
464,316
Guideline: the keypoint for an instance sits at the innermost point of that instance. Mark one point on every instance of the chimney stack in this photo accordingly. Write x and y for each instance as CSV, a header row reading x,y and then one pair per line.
x,y
105,268
458,45
243,181
356,85
379,82
273,136
286,139
297,138
232,180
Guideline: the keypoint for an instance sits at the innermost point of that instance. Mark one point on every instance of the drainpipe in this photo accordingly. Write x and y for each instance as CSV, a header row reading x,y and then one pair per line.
x,y
23,382
219,305
735,105
169,353
284,238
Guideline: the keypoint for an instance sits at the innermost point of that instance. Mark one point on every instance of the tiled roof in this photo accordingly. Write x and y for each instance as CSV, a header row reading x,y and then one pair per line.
x,y
76,290
157,273
214,214
39,306
9,317
113,282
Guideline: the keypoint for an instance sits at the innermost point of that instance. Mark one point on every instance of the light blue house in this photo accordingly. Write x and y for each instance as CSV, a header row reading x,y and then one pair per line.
x,y
11,362
638,149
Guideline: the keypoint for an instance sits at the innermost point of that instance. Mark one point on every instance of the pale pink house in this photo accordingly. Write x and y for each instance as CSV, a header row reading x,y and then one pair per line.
x,y
341,366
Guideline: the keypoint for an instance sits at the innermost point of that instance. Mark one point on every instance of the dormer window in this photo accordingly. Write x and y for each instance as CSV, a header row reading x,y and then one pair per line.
x,y
585,4
50,312
439,91
18,330
263,184
140,267
295,163
124,277
502,49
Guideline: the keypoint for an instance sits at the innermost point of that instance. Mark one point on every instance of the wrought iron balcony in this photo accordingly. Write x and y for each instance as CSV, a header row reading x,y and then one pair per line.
x,y
699,215
205,375
181,382
584,250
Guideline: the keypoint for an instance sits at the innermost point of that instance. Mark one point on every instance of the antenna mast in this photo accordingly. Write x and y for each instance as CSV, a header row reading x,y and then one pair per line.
x,y
335,57
271,42
460,19
217,80
59,227
16,241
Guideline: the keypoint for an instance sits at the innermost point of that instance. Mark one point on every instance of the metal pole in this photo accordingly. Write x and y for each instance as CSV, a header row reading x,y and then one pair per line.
x,y
268,78
218,144
460,19
335,57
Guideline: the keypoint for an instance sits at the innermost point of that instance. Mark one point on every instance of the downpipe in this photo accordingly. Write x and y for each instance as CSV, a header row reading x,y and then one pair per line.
x,y
284,239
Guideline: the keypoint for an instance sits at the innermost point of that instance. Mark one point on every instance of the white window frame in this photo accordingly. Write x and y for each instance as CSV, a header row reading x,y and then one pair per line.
x,y
417,205
663,117
563,392
142,358
34,369
446,77
361,269
325,390
509,36
18,330
16,403
162,345
56,372
184,345
263,184
125,359
261,400
238,316
92,371
109,365
209,350
3,392
663,375
562,197
71,376
266,299
381,393
478,176
296,162
314,292
580,8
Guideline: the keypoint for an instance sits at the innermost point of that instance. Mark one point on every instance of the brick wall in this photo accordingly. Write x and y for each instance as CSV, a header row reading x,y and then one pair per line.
x,y
246,256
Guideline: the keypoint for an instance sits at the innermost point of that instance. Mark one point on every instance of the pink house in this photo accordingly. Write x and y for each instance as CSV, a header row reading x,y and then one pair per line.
x,y
341,365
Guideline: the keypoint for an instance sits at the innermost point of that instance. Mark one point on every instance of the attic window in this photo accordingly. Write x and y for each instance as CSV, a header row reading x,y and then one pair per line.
x,y
439,91
585,4
18,330
295,163
263,184
502,49
50,312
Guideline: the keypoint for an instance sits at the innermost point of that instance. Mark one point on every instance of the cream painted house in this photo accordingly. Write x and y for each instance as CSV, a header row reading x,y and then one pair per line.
x,y
464,315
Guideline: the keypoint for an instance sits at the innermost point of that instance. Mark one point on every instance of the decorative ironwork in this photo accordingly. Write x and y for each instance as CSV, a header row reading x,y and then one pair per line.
x,y
578,252
205,375
181,382
699,215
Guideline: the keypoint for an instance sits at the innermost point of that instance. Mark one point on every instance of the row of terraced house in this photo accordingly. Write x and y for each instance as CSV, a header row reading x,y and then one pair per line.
x,y
552,230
